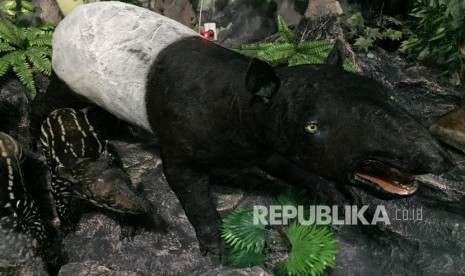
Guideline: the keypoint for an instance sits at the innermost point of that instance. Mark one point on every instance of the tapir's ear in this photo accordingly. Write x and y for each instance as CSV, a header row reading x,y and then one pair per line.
x,y
336,56
261,81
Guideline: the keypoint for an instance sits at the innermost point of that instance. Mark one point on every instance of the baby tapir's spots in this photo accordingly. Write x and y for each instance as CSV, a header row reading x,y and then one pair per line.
x,y
15,201
84,166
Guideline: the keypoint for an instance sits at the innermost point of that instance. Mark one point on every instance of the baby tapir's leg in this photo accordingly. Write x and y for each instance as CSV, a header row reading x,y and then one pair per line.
x,y
61,193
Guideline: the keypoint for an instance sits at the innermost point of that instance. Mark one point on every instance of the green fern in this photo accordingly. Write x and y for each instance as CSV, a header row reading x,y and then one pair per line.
x,y
286,34
288,51
313,250
240,232
25,50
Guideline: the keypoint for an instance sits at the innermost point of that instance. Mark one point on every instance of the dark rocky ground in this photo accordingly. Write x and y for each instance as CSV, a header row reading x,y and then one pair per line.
x,y
434,245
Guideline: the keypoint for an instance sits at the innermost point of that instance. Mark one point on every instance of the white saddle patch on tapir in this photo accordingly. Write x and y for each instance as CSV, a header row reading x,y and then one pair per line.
x,y
103,51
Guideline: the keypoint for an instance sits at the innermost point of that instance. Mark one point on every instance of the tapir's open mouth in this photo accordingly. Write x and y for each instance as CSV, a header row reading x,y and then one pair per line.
x,y
381,176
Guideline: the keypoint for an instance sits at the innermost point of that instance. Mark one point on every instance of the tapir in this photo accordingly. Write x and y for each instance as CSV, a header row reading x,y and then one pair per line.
x,y
212,108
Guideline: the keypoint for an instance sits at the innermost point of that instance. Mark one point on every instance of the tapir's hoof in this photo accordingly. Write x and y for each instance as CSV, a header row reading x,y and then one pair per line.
x,y
213,246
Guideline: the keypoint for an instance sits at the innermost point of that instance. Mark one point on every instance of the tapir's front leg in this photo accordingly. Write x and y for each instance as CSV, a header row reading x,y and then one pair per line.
x,y
192,188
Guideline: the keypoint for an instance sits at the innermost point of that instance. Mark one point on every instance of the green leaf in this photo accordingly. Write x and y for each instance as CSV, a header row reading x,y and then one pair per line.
x,y
23,70
392,34
363,43
277,54
393,20
313,250
286,34
39,60
240,232
314,47
239,258
5,47
4,65
372,33
8,33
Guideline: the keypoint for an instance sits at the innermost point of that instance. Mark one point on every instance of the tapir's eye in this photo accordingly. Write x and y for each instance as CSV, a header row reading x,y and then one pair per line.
x,y
311,128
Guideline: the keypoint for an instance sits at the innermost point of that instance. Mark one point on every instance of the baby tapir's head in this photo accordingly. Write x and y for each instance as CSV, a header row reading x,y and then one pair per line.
x,y
78,156
103,183
345,127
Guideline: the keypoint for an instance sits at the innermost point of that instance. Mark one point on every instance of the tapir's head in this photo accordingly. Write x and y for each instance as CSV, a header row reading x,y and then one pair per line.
x,y
344,127
105,185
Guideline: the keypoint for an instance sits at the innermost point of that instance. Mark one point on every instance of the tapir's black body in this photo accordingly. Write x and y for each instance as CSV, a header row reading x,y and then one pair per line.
x,y
204,120
212,108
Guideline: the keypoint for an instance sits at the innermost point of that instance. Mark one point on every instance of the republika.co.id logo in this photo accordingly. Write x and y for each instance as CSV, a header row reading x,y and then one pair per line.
x,y
331,215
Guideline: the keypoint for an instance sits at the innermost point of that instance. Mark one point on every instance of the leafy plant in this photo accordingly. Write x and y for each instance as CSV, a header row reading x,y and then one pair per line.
x,y
289,51
240,232
439,33
12,8
365,37
25,50
311,248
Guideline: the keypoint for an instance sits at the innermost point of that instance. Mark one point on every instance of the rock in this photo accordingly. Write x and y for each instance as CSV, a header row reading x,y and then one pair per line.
x,y
224,271
321,8
90,268
246,21
413,86
450,128
179,10
292,10
14,109
47,10
17,254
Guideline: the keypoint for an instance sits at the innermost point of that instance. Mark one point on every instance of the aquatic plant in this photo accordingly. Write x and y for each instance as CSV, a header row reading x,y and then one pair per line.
x,y
288,50
311,248
25,50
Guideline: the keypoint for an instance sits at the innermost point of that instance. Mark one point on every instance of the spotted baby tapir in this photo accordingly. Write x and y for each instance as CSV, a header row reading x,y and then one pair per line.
x,y
15,200
84,166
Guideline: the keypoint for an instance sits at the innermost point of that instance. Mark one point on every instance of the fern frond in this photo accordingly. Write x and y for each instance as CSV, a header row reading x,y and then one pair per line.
x,y
239,258
38,36
314,47
278,53
23,70
4,65
313,250
300,59
251,50
9,33
40,61
5,47
45,40
240,232
286,34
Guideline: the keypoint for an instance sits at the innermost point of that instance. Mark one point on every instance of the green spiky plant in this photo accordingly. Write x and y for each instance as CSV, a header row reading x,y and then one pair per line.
x,y
290,51
312,251
25,50
311,248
